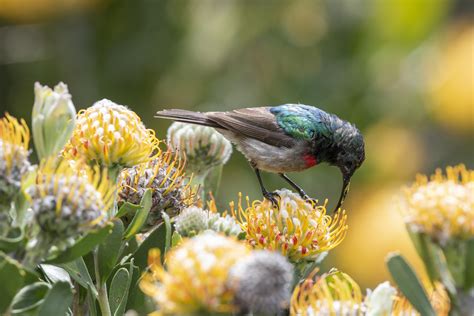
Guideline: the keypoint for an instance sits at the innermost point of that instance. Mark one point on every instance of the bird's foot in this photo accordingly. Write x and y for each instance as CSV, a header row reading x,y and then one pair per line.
x,y
271,196
310,199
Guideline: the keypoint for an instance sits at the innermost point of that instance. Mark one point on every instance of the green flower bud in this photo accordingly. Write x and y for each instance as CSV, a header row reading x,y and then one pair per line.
x,y
54,118
224,224
203,146
191,221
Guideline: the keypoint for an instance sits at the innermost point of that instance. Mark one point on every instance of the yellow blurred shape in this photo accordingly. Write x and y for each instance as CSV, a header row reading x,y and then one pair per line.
x,y
388,147
376,228
450,79
36,10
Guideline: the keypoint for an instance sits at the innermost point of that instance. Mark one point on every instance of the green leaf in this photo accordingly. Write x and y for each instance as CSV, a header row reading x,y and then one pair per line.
x,y
127,208
12,240
469,277
119,289
156,239
169,229
78,271
83,245
55,274
29,298
109,251
12,278
175,239
427,251
58,300
409,284
455,253
140,216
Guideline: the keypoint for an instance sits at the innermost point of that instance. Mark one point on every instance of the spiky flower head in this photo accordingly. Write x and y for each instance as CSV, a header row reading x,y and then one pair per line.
x,y
262,282
111,135
334,294
203,147
437,295
442,206
299,229
194,220
14,139
68,198
53,119
164,176
195,278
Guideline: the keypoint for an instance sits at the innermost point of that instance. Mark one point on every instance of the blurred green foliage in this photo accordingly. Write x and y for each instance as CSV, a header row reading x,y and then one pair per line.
x,y
366,61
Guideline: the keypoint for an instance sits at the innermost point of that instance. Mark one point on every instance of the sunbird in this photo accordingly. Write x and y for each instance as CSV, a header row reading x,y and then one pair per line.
x,y
285,138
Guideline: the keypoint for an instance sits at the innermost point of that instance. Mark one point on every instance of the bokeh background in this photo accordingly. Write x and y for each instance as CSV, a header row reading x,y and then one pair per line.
x,y
401,70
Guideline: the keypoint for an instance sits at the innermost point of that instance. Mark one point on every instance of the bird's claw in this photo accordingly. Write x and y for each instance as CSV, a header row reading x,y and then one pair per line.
x,y
309,199
271,196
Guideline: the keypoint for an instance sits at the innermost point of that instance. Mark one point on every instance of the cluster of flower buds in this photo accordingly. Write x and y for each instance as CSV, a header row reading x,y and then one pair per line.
x,y
194,220
212,273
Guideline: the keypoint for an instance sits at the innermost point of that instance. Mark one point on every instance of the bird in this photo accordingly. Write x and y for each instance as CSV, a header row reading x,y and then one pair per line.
x,y
285,138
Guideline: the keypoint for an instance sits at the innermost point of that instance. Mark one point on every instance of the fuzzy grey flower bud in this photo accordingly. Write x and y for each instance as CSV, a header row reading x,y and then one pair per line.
x,y
164,176
191,221
262,282
53,120
224,224
203,146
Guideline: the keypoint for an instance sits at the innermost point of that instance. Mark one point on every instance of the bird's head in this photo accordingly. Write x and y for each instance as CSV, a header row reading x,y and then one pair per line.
x,y
349,157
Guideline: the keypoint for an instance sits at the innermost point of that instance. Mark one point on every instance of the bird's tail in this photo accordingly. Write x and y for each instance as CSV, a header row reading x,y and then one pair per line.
x,y
186,116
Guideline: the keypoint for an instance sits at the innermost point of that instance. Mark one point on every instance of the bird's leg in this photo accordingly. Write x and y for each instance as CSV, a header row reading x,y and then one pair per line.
x,y
266,194
296,187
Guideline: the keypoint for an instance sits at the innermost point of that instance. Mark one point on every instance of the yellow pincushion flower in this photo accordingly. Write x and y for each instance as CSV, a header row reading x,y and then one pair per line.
x,y
335,294
111,135
437,295
297,228
195,276
14,139
68,198
442,207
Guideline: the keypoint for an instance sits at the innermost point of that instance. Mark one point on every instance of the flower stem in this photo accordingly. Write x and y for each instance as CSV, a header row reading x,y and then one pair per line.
x,y
103,297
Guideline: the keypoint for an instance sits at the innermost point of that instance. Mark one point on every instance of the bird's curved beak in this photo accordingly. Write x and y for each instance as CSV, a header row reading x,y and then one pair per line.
x,y
346,180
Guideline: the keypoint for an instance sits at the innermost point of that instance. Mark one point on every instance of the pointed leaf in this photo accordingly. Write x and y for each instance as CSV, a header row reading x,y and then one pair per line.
x,y
78,271
427,251
409,284
55,274
140,216
109,251
156,239
83,245
119,291
127,208
58,300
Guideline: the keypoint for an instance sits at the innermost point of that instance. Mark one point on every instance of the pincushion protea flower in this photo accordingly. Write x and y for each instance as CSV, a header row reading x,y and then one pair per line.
x,y
442,206
14,139
164,175
334,293
195,276
111,135
437,295
297,228
68,198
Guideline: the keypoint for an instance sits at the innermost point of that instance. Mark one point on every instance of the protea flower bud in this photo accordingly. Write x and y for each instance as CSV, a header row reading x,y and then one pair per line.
x,y
194,220
380,300
191,221
68,200
111,135
14,139
164,176
203,147
53,120
262,282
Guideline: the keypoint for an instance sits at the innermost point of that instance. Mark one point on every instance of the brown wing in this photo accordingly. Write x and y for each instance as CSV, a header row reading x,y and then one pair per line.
x,y
258,123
